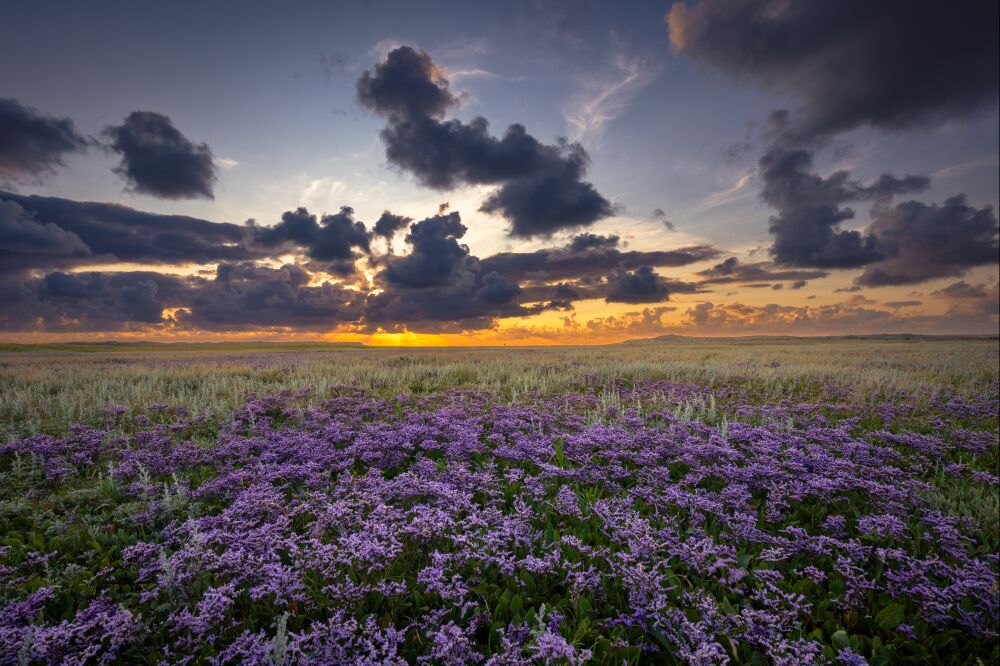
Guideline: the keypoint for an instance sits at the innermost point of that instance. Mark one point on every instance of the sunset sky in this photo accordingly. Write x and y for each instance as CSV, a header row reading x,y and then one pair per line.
x,y
497,173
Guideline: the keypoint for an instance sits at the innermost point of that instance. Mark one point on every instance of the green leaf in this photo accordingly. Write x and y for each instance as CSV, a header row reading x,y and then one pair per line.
x,y
516,604
501,607
890,617
840,639
727,606
660,637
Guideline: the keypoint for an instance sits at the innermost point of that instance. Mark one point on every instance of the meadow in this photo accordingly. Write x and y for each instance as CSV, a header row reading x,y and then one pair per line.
x,y
756,501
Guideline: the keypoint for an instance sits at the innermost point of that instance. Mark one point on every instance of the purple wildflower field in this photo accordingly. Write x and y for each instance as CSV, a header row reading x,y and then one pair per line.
x,y
615,522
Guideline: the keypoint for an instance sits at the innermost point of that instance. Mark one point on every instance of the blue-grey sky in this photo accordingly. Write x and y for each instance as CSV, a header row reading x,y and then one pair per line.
x,y
670,120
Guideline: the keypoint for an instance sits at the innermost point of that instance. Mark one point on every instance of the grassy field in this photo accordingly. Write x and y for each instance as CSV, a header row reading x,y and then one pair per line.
x,y
45,391
706,502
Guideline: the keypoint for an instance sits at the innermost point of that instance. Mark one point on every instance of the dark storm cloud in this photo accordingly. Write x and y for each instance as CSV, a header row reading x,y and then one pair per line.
x,y
584,242
926,241
24,241
540,191
111,232
436,257
330,241
891,64
407,86
437,286
440,286
140,304
87,301
388,224
242,296
32,144
245,296
642,285
496,290
157,159
552,197
562,296
567,263
732,270
810,209
907,243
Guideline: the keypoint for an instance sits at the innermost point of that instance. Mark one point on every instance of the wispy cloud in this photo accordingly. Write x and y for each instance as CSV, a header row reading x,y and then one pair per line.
x,y
464,49
324,193
455,75
963,168
736,190
604,96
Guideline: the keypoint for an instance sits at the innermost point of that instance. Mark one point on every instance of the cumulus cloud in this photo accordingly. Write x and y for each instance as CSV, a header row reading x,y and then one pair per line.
x,y
158,160
33,145
642,285
330,241
584,242
738,317
925,241
811,208
540,186
646,322
833,319
440,286
407,85
892,64
436,257
389,224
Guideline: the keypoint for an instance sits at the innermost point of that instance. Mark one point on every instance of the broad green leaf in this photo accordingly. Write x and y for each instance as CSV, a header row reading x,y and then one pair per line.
x,y
890,617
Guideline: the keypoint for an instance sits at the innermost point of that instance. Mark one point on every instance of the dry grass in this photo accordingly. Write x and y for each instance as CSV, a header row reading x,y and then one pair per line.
x,y
45,391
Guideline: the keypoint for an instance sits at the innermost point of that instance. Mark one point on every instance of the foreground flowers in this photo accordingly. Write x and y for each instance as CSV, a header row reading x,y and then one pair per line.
x,y
660,523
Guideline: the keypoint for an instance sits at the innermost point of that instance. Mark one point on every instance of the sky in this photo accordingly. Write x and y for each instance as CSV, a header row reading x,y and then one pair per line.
x,y
504,173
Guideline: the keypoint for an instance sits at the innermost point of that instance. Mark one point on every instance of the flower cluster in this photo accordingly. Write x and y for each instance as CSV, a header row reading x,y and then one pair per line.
x,y
657,522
